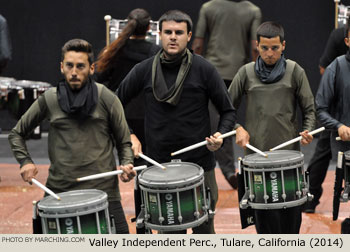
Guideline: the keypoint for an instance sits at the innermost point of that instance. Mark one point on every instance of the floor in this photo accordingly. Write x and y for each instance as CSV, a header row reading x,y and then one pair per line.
x,y
16,198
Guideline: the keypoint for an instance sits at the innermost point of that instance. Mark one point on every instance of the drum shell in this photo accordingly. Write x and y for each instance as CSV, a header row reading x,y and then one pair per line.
x,y
176,204
278,182
347,167
88,216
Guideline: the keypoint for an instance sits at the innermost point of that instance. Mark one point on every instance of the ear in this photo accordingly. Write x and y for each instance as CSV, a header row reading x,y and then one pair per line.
x,y
283,45
347,42
189,36
92,69
62,67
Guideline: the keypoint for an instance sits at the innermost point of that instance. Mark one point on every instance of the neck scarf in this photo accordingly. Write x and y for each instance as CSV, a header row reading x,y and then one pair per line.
x,y
79,104
160,89
269,74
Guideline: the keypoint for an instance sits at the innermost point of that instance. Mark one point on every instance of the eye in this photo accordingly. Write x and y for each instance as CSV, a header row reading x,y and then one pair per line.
x,y
69,65
275,48
168,32
264,48
80,66
179,32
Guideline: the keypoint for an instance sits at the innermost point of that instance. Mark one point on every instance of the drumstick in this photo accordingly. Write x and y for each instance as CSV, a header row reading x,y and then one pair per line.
x,y
107,19
37,183
256,150
151,161
197,145
111,173
338,138
297,139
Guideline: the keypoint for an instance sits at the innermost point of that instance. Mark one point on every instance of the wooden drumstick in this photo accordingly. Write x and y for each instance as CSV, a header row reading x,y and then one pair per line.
x,y
256,150
197,145
41,186
151,161
338,138
107,19
111,173
297,139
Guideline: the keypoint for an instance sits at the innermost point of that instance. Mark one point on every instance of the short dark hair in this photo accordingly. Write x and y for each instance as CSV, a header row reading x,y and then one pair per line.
x,y
78,45
177,16
270,29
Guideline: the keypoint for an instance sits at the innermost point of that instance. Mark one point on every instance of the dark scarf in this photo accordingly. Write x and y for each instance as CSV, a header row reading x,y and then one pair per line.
x,y
347,55
160,89
79,104
269,74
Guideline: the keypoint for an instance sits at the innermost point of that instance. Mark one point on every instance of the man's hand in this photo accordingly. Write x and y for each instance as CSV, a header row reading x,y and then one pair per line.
x,y
214,143
306,137
136,145
128,172
344,133
28,172
242,137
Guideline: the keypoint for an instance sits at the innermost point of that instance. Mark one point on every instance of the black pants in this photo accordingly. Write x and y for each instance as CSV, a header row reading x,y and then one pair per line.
x,y
115,208
318,165
278,221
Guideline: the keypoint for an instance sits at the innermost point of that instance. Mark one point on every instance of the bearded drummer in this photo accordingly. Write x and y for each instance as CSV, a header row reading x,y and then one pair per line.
x,y
86,122
177,86
273,87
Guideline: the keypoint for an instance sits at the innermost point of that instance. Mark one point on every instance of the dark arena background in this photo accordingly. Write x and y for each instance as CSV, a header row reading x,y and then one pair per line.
x,y
38,30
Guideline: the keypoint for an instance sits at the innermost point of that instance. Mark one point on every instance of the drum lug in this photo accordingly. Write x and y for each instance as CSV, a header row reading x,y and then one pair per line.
x,y
298,193
345,194
284,196
211,213
196,214
244,201
309,196
180,219
161,219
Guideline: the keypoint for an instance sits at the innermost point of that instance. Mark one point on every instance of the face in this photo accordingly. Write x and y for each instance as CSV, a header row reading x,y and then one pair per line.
x,y
76,69
270,49
174,38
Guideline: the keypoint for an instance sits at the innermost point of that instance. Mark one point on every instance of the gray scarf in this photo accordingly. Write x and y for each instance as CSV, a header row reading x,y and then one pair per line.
x,y
268,74
160,89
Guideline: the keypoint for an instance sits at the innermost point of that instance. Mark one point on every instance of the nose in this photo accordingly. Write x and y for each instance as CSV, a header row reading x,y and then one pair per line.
x,y
74,71
173,35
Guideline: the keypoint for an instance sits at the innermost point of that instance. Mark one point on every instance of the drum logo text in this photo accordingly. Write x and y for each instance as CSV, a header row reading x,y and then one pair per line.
x,y
69,226
170,208
274,185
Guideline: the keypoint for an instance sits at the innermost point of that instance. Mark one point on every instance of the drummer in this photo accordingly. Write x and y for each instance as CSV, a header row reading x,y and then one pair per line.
x,y
333,100
86,121
273,86
178,85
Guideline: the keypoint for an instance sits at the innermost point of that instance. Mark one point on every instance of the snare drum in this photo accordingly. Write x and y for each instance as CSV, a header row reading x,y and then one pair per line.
x,y
174,199
276,182
346,176
31,92
78,212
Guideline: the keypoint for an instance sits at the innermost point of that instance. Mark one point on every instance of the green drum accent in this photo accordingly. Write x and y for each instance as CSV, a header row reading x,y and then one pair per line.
x,y
274,185
170,207
81,211
277,181
174,198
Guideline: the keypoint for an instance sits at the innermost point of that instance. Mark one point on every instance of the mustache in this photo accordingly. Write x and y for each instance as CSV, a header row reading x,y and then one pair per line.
x,y
74,79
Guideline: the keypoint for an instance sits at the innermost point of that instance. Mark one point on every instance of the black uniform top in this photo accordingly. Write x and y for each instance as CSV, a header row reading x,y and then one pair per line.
x,y
169,128
335,47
